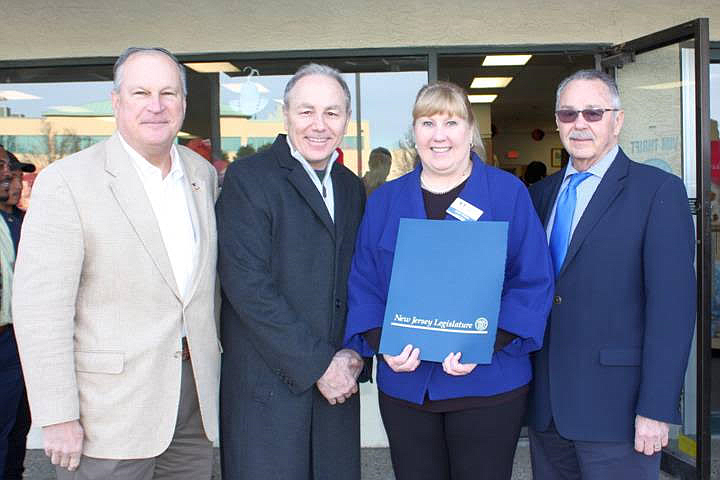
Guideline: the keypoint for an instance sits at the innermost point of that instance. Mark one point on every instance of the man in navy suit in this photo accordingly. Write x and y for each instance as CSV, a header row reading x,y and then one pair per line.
x,y
608,379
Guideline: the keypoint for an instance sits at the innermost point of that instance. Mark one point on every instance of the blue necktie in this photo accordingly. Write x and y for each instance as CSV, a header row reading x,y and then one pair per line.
x,y
564,212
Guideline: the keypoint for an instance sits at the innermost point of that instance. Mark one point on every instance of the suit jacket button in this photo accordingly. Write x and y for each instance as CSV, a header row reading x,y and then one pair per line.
x,y
557,300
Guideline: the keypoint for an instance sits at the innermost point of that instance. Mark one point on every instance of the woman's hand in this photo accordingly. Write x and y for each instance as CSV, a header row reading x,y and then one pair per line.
x,y
407,361
452,366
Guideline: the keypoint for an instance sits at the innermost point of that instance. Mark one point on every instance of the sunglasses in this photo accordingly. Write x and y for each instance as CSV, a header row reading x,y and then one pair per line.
x,y
589,114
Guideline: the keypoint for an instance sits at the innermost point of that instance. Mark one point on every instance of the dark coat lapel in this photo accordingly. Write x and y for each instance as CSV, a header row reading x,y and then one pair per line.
x,y
299,179
129,192
607,191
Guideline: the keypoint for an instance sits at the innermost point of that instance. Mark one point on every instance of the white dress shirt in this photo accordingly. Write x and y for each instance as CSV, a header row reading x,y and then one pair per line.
x,y
585,190
169,200
326,186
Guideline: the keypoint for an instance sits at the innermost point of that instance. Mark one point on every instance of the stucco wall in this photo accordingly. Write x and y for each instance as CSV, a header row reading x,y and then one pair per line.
x,y
76,28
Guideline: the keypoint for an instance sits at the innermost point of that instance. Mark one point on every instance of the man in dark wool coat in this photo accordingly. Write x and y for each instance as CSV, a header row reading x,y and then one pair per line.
x,y
287,219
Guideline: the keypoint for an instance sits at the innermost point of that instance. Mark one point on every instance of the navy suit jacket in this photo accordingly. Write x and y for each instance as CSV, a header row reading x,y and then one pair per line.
x,y
621,325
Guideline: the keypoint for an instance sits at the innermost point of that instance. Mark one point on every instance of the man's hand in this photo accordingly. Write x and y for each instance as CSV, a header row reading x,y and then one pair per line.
x,y
339,382
452,366
64,443
407,361
650,435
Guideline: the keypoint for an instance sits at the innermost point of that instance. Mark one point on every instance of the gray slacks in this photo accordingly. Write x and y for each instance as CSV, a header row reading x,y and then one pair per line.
x,y
189,456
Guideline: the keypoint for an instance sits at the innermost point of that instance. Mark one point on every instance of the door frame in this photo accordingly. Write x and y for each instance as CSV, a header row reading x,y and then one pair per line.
x,y
615,57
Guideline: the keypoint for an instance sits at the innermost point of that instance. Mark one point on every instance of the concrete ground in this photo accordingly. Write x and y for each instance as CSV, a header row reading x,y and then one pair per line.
x,y
375,465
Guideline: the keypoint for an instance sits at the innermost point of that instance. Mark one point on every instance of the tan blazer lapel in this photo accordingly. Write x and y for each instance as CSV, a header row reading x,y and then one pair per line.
x,y
198,194
129,192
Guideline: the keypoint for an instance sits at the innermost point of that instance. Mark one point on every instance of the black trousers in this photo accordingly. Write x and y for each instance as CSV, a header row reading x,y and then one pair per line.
x,y
465,444
11,391
17,439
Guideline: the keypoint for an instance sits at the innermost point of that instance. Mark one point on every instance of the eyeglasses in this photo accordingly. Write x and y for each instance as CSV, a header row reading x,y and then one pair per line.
x,y
589,114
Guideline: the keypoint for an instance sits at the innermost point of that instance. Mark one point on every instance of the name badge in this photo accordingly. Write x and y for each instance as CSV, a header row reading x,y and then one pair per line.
x,y
464,211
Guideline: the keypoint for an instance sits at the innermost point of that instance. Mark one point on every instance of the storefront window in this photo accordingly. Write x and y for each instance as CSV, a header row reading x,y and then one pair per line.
x,y
42,122
251,114
251,104
386,105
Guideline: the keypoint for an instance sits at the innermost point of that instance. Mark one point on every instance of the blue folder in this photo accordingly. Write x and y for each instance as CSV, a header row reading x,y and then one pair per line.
x,y
445,288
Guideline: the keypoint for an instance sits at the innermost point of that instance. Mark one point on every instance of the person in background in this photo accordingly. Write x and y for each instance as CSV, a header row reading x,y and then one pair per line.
x,y
19,423
380,162
452,420
534,172
28,179
10,371
608,379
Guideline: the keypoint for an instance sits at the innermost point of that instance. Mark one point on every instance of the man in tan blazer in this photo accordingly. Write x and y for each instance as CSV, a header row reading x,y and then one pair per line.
x,y
115,291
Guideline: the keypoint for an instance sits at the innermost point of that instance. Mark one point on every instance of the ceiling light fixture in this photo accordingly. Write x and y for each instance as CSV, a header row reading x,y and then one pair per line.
x,y
490,82
212,67
665,86
482,98
505,60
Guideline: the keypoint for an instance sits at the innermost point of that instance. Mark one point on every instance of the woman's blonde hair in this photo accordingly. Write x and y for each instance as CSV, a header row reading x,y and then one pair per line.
x,y
448,98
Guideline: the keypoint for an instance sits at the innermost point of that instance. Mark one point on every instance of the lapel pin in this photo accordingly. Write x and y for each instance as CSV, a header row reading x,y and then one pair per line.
x,y
195,187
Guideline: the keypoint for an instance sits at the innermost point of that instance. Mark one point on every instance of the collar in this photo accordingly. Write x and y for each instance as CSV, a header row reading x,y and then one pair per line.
x,y
147,169
298,156
599,168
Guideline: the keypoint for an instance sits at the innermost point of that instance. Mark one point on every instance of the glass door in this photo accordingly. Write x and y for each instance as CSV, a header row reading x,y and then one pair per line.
x,y
663,80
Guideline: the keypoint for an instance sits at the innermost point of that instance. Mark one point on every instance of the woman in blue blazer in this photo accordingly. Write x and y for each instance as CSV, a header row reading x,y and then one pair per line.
x,y
452,420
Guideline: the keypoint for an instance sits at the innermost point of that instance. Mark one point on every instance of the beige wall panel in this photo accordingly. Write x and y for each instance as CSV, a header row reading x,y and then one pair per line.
x,y
76,28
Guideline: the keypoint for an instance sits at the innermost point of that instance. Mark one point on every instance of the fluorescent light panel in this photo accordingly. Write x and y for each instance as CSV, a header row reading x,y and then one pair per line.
x,y
490,82
482,98
663,86
505,60
212,67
